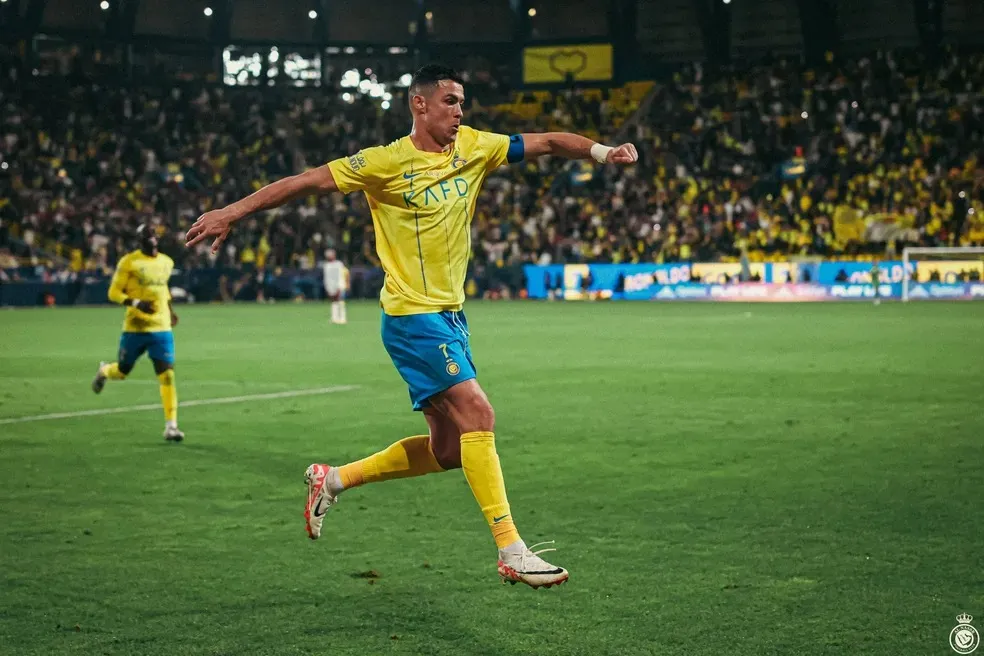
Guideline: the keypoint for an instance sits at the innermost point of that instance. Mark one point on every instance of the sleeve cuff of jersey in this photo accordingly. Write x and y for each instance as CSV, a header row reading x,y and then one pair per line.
x,y
517,149
338,174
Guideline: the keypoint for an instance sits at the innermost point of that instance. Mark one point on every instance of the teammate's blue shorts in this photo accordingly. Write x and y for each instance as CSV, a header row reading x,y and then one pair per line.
x,y
430,351
159,346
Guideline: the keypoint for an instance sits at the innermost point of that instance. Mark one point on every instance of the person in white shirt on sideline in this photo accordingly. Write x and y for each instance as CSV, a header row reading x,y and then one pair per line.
x,y
336,284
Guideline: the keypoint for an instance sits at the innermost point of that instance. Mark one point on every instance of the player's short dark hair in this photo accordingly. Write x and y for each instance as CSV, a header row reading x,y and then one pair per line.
x,y
431,74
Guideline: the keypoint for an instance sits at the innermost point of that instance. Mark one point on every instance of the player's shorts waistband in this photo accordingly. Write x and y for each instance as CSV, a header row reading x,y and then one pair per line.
x,y
428,322
424,313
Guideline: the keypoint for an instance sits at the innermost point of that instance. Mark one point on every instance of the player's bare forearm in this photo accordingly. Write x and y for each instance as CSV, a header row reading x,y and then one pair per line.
x,y
217,223
562,144
575,146
281,192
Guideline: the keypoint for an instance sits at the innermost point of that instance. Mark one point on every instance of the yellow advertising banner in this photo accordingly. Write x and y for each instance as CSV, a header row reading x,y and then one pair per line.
x,y
948,270
553,64
717,273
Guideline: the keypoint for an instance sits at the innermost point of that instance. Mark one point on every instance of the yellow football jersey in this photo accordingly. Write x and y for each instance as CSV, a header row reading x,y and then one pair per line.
x,y
144,278
422,204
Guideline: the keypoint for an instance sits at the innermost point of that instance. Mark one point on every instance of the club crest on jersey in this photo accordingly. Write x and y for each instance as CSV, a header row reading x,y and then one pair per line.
x,y
453,369
458,161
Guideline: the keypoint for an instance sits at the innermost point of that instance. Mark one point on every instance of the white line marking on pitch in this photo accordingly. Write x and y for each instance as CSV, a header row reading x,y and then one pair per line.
x,y
146,381
184,404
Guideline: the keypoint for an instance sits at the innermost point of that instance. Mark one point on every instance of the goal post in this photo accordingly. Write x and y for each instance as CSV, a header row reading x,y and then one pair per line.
x,y
947,264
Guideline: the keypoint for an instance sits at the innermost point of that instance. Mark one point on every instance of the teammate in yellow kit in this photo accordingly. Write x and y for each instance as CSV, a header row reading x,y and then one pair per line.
x,y
141,284
422,191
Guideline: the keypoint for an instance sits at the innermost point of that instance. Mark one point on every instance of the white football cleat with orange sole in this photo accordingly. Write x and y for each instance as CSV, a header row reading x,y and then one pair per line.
x,y
525,566
319,499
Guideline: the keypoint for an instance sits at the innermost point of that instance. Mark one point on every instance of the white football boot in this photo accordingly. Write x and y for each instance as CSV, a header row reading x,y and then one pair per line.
x,y
173,434
520,564
319,500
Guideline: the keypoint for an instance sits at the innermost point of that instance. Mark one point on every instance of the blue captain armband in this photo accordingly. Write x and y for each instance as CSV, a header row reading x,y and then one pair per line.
x,y
517,149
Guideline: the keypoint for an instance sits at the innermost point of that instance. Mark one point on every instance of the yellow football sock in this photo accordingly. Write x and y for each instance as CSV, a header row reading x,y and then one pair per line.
x,y
112,371
481,465
411,456
169,395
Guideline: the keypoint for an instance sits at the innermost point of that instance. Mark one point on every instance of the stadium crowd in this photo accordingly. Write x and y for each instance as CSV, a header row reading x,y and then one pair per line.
x,y
849,159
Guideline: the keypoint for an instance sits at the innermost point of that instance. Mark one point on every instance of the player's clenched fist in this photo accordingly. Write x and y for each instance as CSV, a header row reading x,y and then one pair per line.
x,y
624,154
147,307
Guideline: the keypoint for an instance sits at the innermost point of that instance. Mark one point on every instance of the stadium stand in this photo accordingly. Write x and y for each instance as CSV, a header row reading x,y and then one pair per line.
x,y
851,158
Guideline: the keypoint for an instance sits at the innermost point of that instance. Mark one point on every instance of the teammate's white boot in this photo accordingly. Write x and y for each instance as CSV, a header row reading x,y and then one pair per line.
x,y
320,498
173,434
520,564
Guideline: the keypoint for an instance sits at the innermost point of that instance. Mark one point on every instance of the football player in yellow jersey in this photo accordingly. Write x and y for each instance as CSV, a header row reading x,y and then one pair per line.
x,y
140,283
422,191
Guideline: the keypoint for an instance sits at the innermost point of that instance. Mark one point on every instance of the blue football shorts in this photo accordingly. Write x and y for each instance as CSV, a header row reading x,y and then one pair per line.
x,y
159,346
430,351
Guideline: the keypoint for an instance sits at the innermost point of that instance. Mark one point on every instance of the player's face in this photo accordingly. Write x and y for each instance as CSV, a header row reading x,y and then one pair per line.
x,y
149,244
443,111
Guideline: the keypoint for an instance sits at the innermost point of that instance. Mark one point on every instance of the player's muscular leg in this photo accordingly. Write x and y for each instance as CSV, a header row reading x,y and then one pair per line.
x,y
412,456
159,367
467,406
469,409
169,397
444,438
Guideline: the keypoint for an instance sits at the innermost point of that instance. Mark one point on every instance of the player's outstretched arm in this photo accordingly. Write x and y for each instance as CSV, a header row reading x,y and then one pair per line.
x,y
574,146
218,223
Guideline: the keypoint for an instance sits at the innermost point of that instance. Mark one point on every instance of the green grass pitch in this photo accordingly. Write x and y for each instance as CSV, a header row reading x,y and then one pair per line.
x,y
719,479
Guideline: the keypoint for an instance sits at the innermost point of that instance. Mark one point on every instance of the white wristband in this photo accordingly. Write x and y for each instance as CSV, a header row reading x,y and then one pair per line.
x,y
600,153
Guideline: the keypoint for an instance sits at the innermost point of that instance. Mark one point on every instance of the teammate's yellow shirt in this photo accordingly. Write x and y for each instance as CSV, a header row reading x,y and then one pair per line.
x,y
144,278
422,204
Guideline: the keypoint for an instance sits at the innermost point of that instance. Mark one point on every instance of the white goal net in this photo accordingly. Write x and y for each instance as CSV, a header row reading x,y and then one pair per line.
x,y
940,273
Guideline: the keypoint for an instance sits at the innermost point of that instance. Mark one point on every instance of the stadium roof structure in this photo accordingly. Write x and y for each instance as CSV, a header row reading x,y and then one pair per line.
x,y
668,30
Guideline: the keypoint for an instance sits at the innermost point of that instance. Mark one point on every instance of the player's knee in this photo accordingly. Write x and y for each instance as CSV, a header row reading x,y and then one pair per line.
x,y
125,367
487,415
477,415
467,407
